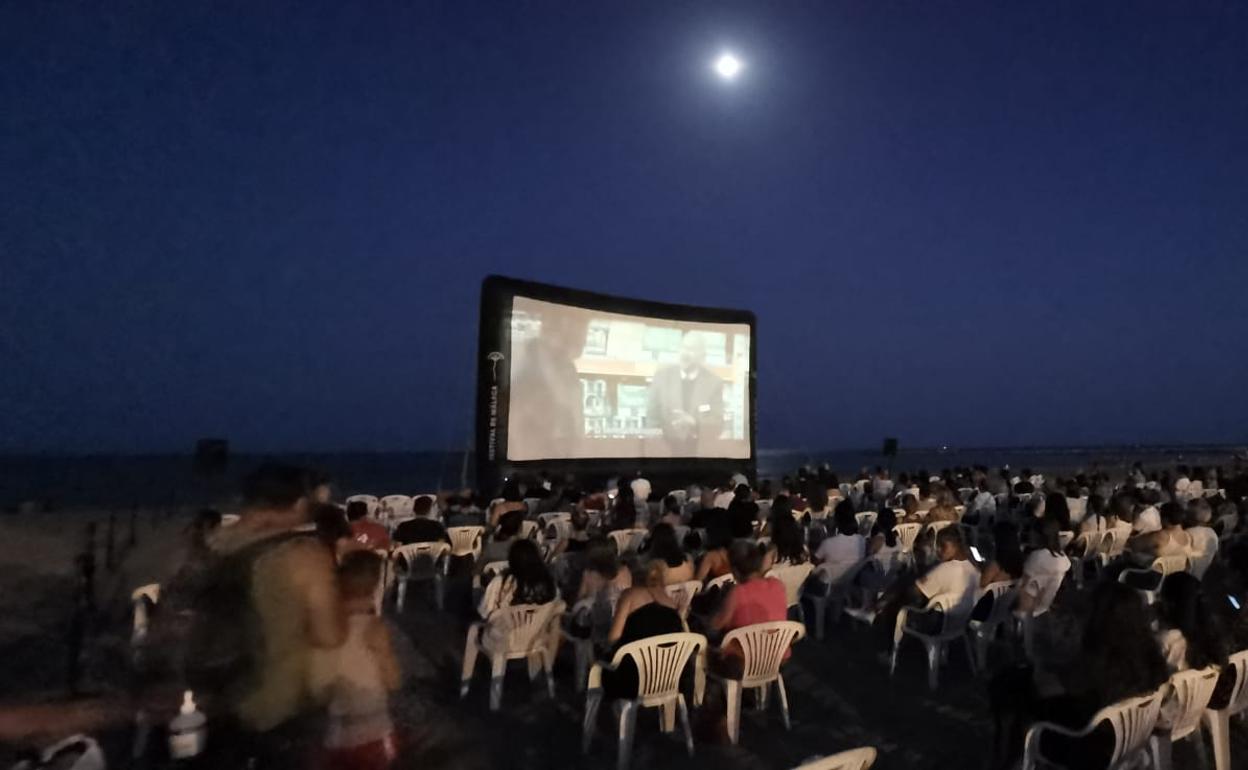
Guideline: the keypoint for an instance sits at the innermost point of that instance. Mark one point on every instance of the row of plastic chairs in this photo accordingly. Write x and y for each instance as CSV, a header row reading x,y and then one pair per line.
x,y
1140,729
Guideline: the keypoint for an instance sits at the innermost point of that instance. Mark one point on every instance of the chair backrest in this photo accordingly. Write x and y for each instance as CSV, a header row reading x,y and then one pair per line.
x,y
723,581
934,527
763,647
1237,703
531,504
546,518
558,530
907,534
1003,593
1088,544
854,759
794,577
141,599
370,501
1113,543
866,520
409,554
660,661
1133,721
683,593
1190,691
465,540
954,616
529,530
1168,565
628,540
396,506
524,625
1065,537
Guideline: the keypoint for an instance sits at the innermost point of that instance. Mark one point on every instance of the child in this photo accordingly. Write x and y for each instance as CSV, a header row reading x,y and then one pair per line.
x,y
356,679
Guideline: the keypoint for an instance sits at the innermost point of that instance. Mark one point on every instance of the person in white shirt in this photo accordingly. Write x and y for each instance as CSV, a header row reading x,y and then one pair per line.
x,y
1043,570
839,553
955,574
983,505
1147,520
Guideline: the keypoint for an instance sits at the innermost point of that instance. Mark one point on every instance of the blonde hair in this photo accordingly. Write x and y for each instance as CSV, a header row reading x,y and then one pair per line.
x,y
653,573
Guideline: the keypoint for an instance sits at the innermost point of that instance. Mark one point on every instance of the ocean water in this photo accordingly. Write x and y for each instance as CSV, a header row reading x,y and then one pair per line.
x,y
115,481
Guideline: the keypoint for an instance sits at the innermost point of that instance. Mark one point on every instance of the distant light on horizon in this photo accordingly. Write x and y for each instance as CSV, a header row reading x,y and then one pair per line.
x,y
728,66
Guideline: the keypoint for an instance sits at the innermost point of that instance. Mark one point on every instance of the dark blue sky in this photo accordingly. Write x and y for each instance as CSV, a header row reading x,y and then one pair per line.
x,y
964,223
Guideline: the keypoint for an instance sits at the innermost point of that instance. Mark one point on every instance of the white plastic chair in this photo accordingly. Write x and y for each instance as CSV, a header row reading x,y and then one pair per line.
x,y
763,647
906,535
545,519
628,540
370,501
854,759
1065,537
683,593
1162,566
511,633
835,594
660,661
394,509
1132,720
984,632
1113,544
466,541
529,530
1185,704
1088,547
141,600
866,520
404,560
722,582
952,628
1043,591
1219,722
793,576
531,503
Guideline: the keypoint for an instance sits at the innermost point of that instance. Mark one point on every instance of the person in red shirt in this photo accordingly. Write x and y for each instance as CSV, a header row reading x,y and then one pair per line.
x,y
367,532
754,599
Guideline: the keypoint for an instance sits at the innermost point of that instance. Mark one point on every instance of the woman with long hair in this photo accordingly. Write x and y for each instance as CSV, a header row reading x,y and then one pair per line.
x,y
664,547
527,581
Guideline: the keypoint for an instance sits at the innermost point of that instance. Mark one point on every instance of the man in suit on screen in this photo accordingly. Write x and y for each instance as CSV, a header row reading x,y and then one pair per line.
x,y
686,400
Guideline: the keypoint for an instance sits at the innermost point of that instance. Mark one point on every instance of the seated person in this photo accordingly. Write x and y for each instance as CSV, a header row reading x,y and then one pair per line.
x,y
839,553
754,599
367,532
786,548
1007,559
715,562
603,581
1043,566
527,581
671,511
512,500
499,545
1169,540
642,611
421,528
955,574
663,547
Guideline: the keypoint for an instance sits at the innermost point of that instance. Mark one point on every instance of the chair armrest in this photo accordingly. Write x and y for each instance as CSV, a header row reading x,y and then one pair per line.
x,y
595,675
1031,746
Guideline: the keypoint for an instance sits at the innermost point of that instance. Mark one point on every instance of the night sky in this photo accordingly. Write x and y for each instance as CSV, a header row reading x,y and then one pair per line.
x,y
958,223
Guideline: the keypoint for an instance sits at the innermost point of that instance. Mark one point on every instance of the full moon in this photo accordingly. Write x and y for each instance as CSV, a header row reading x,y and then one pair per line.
x,y
728,66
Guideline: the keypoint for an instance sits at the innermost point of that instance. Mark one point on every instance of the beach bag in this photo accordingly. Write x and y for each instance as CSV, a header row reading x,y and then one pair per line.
x,y
223,630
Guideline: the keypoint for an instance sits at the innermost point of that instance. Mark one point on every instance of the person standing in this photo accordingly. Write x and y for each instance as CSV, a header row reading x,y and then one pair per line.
x,y
686,400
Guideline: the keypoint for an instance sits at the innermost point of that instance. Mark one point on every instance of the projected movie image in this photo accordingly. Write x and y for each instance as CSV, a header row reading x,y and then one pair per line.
x,y
591,384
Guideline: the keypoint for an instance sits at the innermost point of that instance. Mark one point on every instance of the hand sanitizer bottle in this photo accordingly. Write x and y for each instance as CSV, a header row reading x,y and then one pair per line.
x,y
187,731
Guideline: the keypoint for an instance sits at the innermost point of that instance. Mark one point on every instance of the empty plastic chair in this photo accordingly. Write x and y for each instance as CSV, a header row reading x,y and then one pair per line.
x,y
906,535
793,576
952,627
660,661
466,541
683,593
406,561
763,647
628,540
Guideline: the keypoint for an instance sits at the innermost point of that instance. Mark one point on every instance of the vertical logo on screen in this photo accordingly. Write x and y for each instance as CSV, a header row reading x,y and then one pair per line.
x,y
494,358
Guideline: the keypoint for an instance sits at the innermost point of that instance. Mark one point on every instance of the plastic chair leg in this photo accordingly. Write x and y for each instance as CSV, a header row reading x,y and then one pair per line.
x,y
402,593
439,592
547,666
628,721
934,652
1160,750
783,696
592,701
1220,736
761,701
970,656
498,671
667,713
584,650
732,694
684,720
471,648
820,608
981,650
